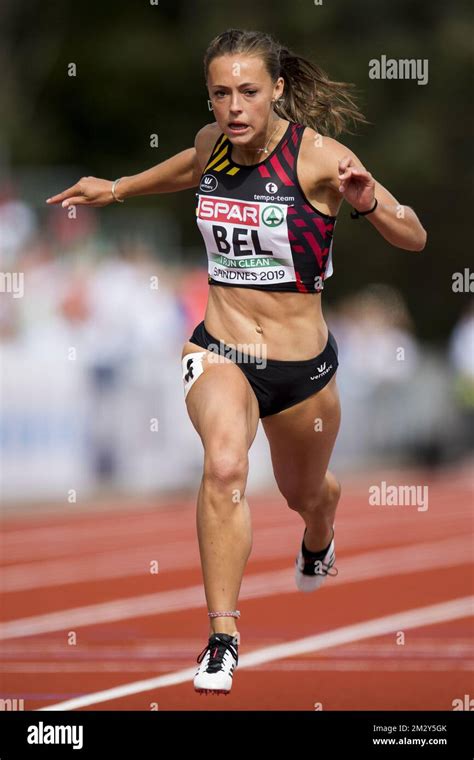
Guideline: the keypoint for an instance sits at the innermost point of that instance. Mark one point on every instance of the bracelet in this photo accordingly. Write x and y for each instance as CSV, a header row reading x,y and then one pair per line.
x,y
231,613
355,214
114,185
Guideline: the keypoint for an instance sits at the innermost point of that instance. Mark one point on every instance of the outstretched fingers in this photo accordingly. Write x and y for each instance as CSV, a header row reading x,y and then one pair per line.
x,y
70,195
77,201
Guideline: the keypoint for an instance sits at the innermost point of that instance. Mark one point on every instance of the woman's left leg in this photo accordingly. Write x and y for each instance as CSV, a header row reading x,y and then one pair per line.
x,y
301,440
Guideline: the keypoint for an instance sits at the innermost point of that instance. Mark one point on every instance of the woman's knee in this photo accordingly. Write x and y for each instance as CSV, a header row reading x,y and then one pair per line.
x,y
225,468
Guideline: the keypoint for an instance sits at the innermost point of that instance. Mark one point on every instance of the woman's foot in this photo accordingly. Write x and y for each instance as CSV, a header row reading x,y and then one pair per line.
x,y
312,568
218,660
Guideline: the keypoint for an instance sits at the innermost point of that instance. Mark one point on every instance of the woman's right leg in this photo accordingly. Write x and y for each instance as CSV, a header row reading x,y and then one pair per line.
x,y
224,411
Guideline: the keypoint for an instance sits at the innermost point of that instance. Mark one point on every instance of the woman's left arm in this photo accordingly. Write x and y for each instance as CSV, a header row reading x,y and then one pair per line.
x,y
398,224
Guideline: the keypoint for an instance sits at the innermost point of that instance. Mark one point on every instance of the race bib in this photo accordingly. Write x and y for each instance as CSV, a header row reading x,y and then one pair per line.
x,y
246,241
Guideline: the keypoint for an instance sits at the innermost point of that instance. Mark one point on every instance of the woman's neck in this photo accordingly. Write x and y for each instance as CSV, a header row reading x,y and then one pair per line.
x,y
248,155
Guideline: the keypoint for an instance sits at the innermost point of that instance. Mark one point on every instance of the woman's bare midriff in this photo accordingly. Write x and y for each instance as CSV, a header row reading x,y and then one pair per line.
x,y
289,326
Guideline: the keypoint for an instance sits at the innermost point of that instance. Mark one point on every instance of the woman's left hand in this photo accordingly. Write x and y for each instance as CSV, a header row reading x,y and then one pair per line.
x,y
356,184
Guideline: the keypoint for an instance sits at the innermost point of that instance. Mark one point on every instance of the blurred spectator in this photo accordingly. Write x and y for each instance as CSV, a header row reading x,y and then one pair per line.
x,y
395,394
195,288
375,335
461,353
17,224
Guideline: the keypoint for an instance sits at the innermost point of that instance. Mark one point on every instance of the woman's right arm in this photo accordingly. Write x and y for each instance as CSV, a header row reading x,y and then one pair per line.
x,y
180,172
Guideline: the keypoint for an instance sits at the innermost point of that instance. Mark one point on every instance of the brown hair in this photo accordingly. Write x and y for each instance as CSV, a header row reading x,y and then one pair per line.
x,y
309,97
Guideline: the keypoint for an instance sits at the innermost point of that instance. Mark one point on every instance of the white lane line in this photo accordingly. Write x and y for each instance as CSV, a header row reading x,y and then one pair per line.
x,y
361,567
86,527
437,664
422,616
180,555
123,562
97,566
44,538
59,541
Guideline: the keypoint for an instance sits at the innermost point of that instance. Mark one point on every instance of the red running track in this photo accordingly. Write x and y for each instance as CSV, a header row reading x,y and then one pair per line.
x,y
104,609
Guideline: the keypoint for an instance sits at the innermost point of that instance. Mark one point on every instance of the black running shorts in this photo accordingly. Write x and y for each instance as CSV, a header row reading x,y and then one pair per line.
x,y
277,384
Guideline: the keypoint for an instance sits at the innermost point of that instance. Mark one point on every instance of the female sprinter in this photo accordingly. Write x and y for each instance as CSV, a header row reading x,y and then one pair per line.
x,y
271,183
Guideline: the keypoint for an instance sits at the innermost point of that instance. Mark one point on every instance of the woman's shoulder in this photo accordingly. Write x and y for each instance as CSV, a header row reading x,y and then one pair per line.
x,y
322,151
312,139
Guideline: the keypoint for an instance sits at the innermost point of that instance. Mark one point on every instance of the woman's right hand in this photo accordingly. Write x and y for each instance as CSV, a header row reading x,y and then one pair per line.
x,y
89,191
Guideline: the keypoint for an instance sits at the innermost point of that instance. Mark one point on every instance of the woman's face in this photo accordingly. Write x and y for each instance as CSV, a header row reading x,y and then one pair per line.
x,y
241,90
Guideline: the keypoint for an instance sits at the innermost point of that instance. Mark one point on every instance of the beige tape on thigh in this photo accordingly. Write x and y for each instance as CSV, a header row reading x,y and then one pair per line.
x,y
192,368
